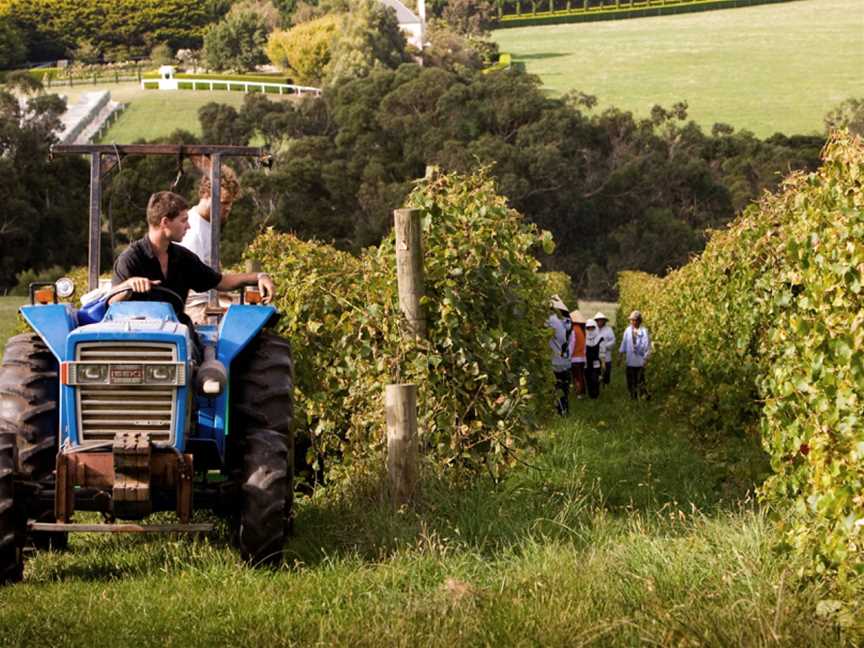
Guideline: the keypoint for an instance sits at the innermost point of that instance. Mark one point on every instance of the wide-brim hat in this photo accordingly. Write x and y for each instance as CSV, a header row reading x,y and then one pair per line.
x,y
591,323
577,317
600,316
635,315
556,303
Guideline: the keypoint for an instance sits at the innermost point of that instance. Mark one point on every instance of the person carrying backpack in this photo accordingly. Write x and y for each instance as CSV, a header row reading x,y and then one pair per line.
x,y
562,328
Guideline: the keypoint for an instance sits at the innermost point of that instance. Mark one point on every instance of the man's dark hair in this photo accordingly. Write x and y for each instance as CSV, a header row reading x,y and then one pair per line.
x,y
165,204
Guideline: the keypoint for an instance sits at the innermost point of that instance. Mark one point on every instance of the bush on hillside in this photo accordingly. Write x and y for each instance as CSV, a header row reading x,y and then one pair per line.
x,y
767,327
482,375
304,50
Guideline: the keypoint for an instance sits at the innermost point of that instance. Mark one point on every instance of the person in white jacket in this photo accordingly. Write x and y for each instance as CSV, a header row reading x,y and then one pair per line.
x,y
636,349
608,335
560,323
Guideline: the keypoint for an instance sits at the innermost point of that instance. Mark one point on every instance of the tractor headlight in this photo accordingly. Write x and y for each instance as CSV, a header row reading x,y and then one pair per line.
x,y
160,374
92,373
65,287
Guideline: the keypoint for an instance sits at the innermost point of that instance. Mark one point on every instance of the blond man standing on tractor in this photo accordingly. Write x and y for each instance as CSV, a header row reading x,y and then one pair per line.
x,y
198,237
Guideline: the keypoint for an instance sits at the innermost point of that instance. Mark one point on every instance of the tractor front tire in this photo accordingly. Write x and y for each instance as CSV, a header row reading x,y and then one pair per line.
x,y
28,408
265,491
11,532
261,446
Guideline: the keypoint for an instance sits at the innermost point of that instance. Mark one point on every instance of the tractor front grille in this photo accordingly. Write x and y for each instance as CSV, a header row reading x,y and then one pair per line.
x,y
104,410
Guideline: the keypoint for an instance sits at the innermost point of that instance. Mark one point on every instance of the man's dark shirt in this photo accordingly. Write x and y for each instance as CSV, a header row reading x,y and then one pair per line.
x,y
185,271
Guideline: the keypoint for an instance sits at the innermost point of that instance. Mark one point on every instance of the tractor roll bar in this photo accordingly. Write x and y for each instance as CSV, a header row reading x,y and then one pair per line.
x,y
104,157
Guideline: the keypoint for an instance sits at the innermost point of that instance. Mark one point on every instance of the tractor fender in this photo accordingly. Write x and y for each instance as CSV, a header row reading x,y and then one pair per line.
x,y
53,323
239,326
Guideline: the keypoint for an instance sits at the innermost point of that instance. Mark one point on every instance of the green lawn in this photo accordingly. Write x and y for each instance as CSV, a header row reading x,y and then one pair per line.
x,y
9,316
767,68
618,532
154,113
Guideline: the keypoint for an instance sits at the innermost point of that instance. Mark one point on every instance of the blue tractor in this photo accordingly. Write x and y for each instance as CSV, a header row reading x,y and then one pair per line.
x,y
111,408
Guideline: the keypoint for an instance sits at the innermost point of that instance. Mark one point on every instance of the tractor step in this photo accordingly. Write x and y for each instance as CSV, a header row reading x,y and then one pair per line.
x,y
120,528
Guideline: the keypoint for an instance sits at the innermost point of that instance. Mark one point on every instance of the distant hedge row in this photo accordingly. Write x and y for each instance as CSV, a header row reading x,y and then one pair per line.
x,y
521,13
765,330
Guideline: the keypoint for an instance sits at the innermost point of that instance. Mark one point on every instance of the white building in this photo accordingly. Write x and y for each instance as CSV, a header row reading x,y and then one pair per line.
x,y
412,25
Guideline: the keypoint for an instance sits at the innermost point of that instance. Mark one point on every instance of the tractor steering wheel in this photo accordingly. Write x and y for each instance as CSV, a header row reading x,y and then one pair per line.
x,y
177,301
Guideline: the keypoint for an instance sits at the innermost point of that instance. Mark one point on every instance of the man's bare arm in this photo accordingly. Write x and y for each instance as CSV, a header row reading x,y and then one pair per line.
x,y
262,279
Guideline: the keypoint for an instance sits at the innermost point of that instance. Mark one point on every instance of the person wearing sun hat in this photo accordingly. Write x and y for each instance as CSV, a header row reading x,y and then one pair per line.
x,y
605,331
577,353
594,353
636,348
562,327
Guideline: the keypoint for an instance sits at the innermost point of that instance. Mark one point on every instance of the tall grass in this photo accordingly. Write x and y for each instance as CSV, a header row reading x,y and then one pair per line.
x,y
617,531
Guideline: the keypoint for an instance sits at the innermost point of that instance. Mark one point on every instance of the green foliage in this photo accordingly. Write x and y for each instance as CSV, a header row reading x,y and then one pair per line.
x,y
482,374
470,17
13,49
369,39
617,192
558,283
236,43
611,10
304,50
220,124
53,27
162,54
848,115
41,220
766,328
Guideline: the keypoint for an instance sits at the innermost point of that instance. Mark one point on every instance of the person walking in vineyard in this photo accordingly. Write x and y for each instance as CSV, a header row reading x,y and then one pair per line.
x,y
595,352
636,348
562,328
577,353
605,331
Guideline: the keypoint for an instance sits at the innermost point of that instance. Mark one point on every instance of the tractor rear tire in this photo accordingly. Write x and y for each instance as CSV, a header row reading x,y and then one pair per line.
x,y
11,531
28,408
265,491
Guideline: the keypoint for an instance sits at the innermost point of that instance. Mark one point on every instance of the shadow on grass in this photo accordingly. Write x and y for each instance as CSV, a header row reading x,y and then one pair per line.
x,y
611,458
611,461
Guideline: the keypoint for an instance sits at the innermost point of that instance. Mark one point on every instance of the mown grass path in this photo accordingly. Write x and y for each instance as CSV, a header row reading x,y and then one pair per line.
x,y
621,533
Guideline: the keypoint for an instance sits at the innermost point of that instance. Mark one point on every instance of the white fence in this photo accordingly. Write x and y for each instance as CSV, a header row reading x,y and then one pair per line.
x,y
174,83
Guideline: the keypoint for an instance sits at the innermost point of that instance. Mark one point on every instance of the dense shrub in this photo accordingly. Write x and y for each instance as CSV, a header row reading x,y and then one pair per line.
x,y
767,327
54,27
481,373
304,50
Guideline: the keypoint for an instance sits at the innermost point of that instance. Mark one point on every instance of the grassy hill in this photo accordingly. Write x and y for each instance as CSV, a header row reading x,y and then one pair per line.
x,y
767,68
153,113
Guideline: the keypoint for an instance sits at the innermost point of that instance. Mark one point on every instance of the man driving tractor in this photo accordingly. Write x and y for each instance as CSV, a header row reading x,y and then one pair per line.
x,y
158,260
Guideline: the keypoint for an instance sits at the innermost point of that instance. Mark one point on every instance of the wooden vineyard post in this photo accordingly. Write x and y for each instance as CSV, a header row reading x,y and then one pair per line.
x,y
400,401
400,407
409,269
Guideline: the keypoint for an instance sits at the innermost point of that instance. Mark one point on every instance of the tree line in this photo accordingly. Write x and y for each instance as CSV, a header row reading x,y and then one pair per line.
x,y
617,191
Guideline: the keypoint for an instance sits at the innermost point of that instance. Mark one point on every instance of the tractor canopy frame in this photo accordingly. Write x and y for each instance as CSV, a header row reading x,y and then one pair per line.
x,y
104,157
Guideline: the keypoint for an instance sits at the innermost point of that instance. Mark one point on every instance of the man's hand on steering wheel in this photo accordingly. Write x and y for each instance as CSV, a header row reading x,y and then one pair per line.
x,y
141,284
144,285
